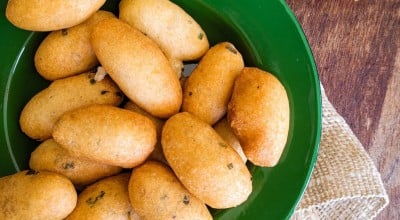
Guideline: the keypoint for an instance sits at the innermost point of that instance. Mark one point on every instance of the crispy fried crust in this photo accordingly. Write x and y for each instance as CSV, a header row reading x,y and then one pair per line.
x,y
106,199
36,15
156,193
50,156
177,33
259,116
205,164
68,52
106,134
31,194
223,128
43,110
208,89
138,66
157,153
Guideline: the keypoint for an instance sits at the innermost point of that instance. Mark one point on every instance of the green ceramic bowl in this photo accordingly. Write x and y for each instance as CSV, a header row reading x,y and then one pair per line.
x,y
269,37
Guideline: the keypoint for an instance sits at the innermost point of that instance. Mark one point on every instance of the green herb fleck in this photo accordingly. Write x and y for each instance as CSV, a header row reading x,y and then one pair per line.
x,y
68,165
222,145
231,48
230,166
103,92
200,36
91,201
186,200
163,197
31,172
64,32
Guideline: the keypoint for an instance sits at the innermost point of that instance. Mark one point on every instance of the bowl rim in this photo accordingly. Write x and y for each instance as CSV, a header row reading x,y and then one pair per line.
x,y
317,85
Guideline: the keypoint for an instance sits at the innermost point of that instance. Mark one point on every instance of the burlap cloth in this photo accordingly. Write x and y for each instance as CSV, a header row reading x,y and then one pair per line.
x,y
345,183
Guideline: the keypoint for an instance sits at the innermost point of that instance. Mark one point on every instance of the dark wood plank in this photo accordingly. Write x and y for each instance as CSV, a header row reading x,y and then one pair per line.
x,y
385,147
355,45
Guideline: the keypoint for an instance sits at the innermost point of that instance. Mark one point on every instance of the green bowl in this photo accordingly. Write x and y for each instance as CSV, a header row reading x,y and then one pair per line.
x,y
268,36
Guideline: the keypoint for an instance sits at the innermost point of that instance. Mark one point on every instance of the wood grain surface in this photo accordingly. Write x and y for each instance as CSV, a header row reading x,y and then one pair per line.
x,y
356,44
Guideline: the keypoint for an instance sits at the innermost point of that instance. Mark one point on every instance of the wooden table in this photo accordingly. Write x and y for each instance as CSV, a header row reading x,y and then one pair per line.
x,y
356,44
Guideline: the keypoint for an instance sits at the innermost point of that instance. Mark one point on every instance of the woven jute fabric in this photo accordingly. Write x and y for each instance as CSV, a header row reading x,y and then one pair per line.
x,y
345,183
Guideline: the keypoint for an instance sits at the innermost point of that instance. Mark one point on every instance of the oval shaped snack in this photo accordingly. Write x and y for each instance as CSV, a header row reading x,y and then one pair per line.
x,y
138,66
259,115
223,128
207,91
106,134
157,153
45,108
205,164
156,193
50,156
31,194
68,52
106,199
177,33
50,15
